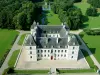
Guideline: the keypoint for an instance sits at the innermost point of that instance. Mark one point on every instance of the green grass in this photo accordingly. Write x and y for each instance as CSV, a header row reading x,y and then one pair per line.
x,y
94,45
77,71
32,71
93,22
13,58
51,18
20,42
6,39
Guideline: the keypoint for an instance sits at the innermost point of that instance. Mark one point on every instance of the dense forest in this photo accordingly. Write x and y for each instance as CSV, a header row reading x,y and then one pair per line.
x,y
68,13
19,14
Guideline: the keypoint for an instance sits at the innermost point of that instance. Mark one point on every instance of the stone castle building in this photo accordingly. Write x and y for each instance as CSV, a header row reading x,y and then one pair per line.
x,y
50,42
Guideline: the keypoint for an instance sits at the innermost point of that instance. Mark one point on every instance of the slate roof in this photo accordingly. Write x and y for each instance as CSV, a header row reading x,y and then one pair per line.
x,y
30,41
42,41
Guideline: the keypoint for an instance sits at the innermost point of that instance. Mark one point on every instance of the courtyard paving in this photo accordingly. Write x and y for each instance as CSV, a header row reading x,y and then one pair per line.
x,y
47,64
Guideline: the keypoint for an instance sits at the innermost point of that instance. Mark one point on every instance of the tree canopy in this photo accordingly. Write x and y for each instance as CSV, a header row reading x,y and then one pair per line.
x,y
68,13
18,14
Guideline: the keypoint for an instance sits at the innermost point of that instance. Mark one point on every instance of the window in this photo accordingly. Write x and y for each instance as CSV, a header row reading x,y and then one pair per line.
x,y
65,50
38,51
41,55
51,51
48,51
44,55
58,50
58,55
65,55
48,55
44,50
62,51
30,56
73,52
38,55
30,48
55,50
61,55
30,52
73,47
41,51
72,57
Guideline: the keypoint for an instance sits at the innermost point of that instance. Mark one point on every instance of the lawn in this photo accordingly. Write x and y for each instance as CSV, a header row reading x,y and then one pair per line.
x,y
51,18
93,43
20,42
93,22
13,58
32,71
7,38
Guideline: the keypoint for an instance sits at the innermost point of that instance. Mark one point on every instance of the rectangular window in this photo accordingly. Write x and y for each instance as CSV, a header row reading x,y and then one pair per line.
x,y
38,55
65,55
38,51
41,55
44,55
58,50
41,51
65,50
30,52
30,56
73,52
58,55
61,55
73,47
62,51
44,50
55,50
72,57
30,48
48,55
48,51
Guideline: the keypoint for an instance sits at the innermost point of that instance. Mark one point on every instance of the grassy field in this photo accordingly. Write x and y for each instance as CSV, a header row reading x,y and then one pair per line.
x,y
94,45
20,42
32,71
6,39
93,22
13,58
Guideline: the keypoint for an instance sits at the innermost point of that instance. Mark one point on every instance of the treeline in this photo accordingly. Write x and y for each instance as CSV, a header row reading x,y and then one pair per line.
x,y
94,3
18,14
68,13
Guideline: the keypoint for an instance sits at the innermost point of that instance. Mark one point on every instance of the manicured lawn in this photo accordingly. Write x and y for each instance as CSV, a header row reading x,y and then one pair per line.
x,y
93,22
77,71
20,42
94,45
32,71
51,18
7,38
13,58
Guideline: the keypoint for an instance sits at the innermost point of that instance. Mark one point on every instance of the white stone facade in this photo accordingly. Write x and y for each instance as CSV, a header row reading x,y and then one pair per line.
x,y
69,52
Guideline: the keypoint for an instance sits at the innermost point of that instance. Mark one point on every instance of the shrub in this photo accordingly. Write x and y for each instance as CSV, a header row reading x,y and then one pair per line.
x,y
91,12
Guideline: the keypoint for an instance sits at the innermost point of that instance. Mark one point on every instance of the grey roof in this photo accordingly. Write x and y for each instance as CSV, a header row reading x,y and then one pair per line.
x,y
30,41
73,41
42,30
45,42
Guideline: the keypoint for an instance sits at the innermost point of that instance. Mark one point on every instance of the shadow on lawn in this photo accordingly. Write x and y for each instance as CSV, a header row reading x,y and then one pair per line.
x,y
44,17
85,53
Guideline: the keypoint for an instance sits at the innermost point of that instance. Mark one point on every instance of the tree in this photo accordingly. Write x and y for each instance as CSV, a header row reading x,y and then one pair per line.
x,y
91,12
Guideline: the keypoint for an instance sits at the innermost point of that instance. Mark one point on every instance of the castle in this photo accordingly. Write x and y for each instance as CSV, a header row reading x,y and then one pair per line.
x,y
51,42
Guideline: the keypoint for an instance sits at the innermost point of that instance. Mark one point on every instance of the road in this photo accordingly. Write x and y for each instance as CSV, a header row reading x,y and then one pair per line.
x,y
14,47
